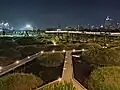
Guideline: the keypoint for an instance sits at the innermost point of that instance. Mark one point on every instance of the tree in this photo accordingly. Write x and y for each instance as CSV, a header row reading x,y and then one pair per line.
x,y
97,57
51,60
59,86
19,81
105,78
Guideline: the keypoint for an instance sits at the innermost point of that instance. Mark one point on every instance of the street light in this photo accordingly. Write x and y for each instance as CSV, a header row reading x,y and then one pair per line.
x,y
28,57
64,68
54,43
53,51
59,79
17,62
64,51
73,50
83,50
65,61
42,52
1,67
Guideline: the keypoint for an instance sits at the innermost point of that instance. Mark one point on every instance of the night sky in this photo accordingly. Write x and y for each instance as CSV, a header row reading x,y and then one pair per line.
x,y
50,13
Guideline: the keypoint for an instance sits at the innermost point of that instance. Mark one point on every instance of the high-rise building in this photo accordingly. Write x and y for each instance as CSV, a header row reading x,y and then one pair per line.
x,y
110,23
5,26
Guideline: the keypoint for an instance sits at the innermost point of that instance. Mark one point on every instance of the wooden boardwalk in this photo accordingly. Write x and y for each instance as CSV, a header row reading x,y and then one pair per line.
x,y
68,72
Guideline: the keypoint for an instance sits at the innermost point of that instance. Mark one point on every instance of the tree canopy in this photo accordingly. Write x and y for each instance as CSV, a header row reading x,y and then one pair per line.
x,y
105,78
19,81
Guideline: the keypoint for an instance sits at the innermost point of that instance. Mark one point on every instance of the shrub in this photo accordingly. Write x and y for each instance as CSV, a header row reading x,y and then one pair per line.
x,y
27,41
8,56
59,86
101,57
7,44
89,46
19,81
29,50
51,59
106,78
10,53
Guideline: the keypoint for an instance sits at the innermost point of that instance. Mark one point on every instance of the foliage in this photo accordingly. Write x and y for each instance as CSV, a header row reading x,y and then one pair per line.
x,y
51,59
7,44
27,41
8,56
10,53
89,46
106,78
97,57
29,50
19,81
59,86
50,74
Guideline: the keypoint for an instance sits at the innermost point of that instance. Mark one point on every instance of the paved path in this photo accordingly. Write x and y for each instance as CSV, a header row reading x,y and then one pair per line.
x,y
14,65
68,72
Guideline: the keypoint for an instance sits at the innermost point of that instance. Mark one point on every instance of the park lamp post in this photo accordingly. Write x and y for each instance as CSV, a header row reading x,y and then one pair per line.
x,y
53,51
64,51
59,79
1,68
42,52
73,50
17,62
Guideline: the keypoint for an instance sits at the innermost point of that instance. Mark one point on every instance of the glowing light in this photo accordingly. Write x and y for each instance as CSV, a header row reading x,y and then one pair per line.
x,y
54,43
101,26
64,51
42,52
104,47
59,79
17,62
83,50
64,68
53,51
28,26
28,57
73,50
1,68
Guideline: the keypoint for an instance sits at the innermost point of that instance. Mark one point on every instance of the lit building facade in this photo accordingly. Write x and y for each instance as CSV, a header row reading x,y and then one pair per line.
x,y
5,26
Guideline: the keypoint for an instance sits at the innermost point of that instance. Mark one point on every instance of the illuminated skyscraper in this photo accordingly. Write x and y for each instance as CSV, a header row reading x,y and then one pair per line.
x,y
5,26
108,23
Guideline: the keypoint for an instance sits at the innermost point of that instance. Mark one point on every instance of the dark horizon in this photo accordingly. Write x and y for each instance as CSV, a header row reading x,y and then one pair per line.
x,y
44,13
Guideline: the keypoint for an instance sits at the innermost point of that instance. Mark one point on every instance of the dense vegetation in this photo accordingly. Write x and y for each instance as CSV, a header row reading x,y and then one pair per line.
x,y
59,86
51,59
29,50
19,81
8,56
105,78
4,44
98,57
27,41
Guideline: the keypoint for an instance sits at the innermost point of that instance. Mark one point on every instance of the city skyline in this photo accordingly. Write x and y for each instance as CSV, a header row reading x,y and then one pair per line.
x,y
42,14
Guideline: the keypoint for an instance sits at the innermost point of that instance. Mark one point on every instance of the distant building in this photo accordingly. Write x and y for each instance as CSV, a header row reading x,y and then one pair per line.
x,y
109,23
5,26
28,27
